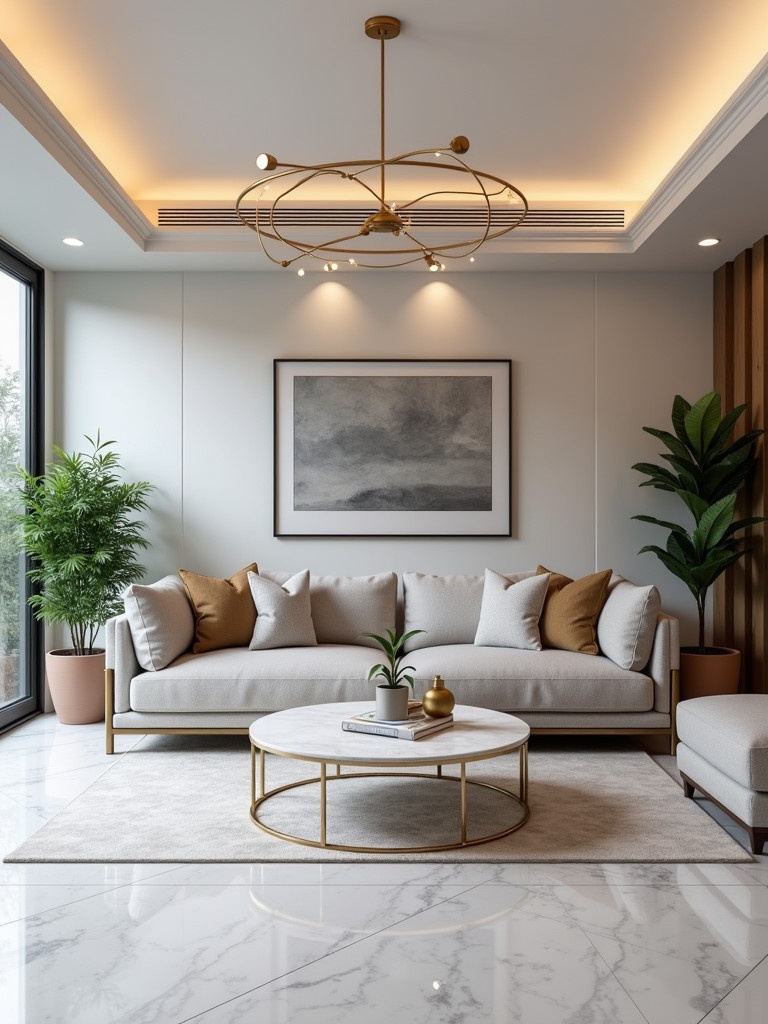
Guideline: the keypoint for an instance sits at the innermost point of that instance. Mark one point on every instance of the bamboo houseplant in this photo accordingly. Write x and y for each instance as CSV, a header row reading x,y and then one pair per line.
x,y
706,470
80,534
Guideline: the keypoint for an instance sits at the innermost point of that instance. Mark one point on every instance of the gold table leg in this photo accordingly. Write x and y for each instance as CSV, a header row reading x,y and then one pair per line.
x,y
323,802
253,778
463,802
524,773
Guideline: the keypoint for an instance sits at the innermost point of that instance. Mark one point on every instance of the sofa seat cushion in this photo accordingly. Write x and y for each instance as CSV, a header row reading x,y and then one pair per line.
x,y
517,680
730,731
236,679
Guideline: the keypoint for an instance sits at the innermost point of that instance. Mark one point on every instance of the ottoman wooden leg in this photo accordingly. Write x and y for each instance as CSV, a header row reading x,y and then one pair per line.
x,y
758,837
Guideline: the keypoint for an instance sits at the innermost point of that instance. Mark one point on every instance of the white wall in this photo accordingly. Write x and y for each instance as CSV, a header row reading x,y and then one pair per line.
x,y
178,368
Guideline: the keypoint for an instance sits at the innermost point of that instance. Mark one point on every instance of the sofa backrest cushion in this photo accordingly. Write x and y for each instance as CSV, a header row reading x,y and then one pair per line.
x,y
627,623
283,613
224,610
509,614
345,607
447,608
161,620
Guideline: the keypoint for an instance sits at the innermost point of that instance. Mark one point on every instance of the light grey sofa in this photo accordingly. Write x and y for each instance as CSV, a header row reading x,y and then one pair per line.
x,y
155,684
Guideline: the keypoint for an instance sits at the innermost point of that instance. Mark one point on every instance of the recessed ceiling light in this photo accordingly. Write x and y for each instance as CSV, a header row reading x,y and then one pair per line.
x,y
709,241
72,241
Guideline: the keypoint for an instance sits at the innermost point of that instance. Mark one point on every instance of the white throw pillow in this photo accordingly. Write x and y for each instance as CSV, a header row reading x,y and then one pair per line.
x,y
510,611
161,620
627,623
344,607
283,613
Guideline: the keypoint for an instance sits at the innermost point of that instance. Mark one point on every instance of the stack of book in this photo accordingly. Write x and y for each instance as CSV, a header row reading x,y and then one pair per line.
x,y
417,726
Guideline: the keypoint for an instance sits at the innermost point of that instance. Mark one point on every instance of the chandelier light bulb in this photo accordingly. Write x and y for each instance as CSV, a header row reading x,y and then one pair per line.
x,y
300,271
266,162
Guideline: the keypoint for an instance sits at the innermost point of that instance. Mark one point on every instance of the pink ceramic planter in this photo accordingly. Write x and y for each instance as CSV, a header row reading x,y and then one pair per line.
x,y
76,682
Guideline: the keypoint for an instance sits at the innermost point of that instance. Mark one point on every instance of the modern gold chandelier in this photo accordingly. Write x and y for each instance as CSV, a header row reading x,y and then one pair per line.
x,y
482,206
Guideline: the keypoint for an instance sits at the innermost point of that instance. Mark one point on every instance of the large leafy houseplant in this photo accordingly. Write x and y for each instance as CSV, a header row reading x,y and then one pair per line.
x,y
80,532
706,470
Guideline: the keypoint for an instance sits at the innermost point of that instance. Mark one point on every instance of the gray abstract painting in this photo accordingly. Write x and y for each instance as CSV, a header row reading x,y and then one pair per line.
x,y
405,443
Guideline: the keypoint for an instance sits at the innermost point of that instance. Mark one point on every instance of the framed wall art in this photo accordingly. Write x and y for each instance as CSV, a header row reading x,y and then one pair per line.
x,y
392,447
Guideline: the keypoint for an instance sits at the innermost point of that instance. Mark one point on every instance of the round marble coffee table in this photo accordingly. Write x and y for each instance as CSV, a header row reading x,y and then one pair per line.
x,y
315,734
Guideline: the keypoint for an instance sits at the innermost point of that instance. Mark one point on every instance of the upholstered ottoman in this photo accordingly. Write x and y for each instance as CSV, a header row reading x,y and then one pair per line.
x,y
723,752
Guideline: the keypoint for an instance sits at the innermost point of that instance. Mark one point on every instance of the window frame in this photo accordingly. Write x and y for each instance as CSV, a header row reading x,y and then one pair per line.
x,y
18,266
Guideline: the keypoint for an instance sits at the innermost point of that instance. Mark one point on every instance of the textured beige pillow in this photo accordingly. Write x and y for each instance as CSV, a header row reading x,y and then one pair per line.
x,y
283,613
161,621
509,614
627,623
224,611
571,610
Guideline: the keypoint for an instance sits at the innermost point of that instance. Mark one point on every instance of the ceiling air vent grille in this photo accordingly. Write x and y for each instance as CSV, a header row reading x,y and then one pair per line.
x,y
224,217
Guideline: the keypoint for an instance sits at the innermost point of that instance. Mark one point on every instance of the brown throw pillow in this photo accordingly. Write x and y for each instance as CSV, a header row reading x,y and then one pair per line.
x,y
224,610
571,610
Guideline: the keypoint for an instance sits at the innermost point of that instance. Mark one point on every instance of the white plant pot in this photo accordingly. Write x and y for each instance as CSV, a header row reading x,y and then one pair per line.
x,y
391,703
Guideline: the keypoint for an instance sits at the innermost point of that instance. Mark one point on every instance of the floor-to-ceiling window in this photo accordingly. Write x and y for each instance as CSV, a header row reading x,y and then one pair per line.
x,y
21,358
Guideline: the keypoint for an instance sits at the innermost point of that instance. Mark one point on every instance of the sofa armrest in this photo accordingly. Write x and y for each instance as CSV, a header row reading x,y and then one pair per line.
x,y
664,660
121,659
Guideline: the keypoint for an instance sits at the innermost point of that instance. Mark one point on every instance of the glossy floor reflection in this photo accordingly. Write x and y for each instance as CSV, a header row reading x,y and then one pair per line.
x,y
466,944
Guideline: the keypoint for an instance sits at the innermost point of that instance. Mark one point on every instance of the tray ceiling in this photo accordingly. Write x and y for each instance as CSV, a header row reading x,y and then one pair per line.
x,y
633,128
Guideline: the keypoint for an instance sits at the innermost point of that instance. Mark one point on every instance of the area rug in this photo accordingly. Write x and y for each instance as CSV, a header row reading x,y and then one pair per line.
x,y
186,800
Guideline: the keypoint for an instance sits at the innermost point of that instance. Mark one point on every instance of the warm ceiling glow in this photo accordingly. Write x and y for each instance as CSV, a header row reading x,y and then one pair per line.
x,y
709,241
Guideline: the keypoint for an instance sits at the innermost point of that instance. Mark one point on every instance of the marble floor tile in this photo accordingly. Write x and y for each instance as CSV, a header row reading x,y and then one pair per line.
x,y
746,1003
665,987
164,953
696,923
486,962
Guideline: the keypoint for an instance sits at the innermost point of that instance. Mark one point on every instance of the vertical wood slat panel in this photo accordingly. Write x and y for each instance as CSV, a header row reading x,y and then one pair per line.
x,y
741,375
757,680
742,364
722,608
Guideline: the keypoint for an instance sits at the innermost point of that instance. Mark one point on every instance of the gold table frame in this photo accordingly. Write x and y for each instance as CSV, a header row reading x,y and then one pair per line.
x,y
258,799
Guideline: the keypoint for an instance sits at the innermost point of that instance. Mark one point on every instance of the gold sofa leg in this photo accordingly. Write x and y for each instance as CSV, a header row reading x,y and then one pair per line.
x,y
109,709
674,699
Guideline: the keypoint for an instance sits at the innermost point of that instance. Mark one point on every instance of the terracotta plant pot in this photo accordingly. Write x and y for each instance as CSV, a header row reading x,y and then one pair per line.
x,y
391,703
707,675
76,682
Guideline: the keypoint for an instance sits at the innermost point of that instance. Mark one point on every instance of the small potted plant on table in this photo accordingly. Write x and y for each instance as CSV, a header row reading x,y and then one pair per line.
x,y
78,531
392,694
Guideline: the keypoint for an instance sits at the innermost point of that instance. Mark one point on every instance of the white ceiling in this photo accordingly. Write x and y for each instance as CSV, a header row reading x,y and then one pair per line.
x,y
658,108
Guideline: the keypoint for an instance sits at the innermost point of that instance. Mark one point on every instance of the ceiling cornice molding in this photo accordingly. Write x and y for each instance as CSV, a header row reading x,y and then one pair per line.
x,y
743,111
27,102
